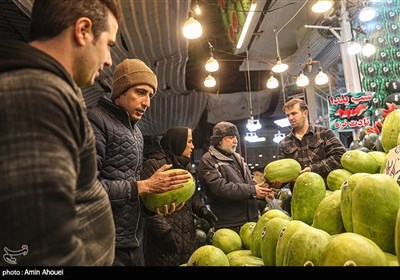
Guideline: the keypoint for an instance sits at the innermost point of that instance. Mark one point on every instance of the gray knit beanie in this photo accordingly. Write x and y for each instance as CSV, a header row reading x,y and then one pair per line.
x,y
129,73
221,130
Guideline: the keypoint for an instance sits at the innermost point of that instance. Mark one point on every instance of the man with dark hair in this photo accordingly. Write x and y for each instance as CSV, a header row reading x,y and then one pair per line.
x,y
53,207
316,148
119,144
227,181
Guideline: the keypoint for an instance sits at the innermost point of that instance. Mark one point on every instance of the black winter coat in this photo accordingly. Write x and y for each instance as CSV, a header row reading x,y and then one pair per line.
x,y
230,191
119,145
169,240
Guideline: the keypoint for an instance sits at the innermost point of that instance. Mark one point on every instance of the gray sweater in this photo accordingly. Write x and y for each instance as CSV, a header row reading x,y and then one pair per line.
x,y
50,198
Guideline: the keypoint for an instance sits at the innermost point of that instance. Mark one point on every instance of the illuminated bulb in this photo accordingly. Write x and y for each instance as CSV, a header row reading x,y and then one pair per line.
x,y
321,78
353,48
368,49
302,80
366,14
279,67
212,65
192,29
322,6
272,82
209,81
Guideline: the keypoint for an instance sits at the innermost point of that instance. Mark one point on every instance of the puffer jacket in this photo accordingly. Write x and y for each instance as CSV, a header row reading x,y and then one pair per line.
x,y
231,196
119,144
169,240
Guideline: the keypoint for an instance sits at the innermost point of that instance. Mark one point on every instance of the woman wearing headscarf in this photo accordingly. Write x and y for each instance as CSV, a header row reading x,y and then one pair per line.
x,y
170,239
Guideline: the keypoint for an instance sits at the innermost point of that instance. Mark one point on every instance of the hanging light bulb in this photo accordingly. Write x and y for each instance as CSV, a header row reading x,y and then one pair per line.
x,y
367,14
211,64
279,67
253,125
278,137
272,82
209,81
322,6
321,78
192,28
353,48
302,80
368,49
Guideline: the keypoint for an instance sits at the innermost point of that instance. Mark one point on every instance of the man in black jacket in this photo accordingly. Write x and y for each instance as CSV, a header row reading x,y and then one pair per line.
x,y
226,178
119,144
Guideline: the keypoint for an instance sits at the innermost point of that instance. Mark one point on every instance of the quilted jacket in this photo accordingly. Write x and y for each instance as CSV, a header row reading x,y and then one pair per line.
x,y
119,145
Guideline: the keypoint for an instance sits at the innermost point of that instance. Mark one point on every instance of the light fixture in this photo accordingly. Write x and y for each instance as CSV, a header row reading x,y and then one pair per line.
x,y
353,48
278,137
209,81
252,137
367,13
322,6
246,25
321,78
192,28
272,82
282,122
279,67
211,64
302,80
368,49
253,125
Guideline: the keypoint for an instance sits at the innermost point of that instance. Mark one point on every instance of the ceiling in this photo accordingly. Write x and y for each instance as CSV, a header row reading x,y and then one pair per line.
x,y
151,31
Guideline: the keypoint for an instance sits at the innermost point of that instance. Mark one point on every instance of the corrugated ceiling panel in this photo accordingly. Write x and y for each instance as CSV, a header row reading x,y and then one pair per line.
x,y
168,111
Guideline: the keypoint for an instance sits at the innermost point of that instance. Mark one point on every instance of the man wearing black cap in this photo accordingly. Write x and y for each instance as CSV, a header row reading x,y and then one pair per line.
x,y
119,145
226,178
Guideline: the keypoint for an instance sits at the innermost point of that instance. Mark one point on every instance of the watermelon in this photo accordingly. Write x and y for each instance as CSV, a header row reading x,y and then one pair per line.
x,y
269,239
152,201
305,246
391,130
351,248
376,201
309,190
284,236
246,232
357,161
380,158
255,245
227,240
336,178
346,199
234,254
243,260
328,215
208,255
392,259
283,170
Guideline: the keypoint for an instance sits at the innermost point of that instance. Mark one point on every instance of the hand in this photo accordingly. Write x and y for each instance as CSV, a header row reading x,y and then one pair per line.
x,y
209,216
275,184
169,211
306,169
262,190
161,182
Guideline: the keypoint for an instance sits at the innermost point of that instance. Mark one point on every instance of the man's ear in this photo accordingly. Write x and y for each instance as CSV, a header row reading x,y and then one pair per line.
x,y
83,31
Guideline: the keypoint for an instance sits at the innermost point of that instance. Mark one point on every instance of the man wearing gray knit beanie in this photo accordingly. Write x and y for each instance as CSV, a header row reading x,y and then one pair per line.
x,y
119,145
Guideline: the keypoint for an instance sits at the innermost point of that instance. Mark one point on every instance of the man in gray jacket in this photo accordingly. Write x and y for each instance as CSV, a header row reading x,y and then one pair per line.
x,y
54,211
226,178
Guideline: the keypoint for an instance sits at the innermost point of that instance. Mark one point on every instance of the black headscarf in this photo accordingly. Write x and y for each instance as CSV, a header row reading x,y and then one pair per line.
x,y
174,144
